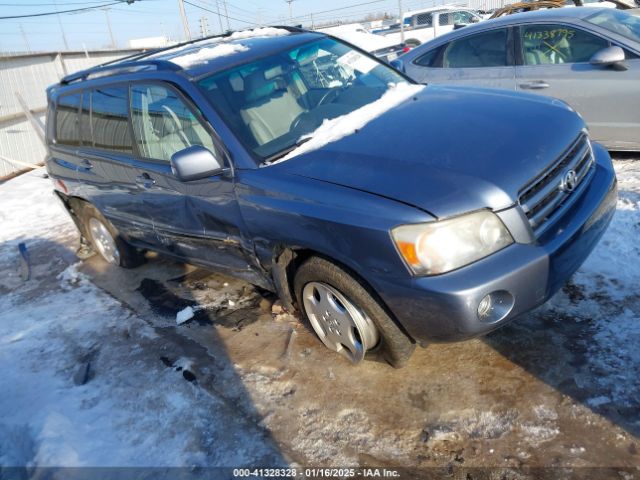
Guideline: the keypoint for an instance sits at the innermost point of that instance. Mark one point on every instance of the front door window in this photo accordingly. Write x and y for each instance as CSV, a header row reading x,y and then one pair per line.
x,y
163,124
556,44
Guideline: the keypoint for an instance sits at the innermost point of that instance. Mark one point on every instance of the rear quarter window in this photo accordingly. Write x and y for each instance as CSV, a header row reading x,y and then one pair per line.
x,y
67,121
428,59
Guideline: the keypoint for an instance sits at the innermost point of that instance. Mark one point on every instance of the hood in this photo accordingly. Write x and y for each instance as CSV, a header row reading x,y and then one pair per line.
x,y
448,150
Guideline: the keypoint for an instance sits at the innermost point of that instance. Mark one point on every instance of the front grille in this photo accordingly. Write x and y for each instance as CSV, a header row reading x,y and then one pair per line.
x,y
543,199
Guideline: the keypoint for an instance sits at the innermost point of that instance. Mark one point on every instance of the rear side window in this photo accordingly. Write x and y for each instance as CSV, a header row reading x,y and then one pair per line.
x,y
163,124
67,124
488,49
109,119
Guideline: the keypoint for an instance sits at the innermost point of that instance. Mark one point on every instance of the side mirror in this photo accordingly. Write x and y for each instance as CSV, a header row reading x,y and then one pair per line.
x,y
610,56
194,163
475,20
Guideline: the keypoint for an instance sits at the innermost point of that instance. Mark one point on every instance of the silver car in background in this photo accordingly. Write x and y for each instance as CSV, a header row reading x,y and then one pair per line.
x,y
588,57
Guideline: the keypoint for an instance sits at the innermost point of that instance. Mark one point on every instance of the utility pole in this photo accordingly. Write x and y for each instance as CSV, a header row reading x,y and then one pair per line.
x,y
185,22
26,40
204,27
290,11
113,39
401,21
226,14
313,27
64,36
219,16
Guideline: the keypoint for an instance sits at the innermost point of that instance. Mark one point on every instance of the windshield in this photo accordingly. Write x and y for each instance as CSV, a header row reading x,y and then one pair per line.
x,y
617,21
273,102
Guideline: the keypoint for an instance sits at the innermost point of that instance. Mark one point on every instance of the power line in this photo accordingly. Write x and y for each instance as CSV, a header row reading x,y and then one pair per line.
x,y
28,5
44,14
306,15
211,11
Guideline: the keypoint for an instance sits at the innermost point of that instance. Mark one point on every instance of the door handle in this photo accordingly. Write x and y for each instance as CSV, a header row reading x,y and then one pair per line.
x,y
86,164
145,181
535,85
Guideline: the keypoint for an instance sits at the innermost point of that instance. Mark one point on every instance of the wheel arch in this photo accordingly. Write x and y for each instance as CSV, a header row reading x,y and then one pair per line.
x,y
288,259
74,205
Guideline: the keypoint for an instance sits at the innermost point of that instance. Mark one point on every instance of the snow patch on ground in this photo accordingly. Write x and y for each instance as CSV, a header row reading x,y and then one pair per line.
x,y
606,299
340,127
339,439
206,54
44,219
471,423
612,256
539,434
133,411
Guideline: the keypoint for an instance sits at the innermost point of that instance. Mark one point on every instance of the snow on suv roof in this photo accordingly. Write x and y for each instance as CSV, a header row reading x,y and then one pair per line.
x,y
202,52
212,54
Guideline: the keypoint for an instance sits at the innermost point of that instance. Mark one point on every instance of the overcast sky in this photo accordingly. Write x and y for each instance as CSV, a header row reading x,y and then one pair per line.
x,y
146,18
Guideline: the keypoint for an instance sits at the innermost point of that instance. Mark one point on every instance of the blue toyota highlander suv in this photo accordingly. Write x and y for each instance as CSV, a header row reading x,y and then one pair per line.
x,y
390,214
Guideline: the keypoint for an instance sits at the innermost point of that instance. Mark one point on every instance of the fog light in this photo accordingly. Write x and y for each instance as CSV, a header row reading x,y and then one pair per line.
x,y
495,306
484,309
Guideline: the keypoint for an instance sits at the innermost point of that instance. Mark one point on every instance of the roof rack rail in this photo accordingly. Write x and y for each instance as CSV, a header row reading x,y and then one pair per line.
x,y
153,51
123,67
147,53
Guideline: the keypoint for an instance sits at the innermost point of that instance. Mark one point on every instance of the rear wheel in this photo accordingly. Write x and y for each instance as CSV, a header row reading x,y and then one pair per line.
x,y
106,240
346,317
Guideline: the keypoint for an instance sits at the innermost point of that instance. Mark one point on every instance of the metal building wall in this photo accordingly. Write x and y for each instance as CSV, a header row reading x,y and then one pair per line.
x,y
30,75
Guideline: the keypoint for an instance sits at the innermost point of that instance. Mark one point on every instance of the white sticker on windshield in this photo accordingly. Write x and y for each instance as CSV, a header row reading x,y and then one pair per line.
x,y
357,61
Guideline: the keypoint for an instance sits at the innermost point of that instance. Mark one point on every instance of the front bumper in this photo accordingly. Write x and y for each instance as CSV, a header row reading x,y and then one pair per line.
x,y
444,308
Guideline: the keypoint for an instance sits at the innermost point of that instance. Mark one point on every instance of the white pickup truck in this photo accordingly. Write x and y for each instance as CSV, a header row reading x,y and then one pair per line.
x,y
423,25
385,48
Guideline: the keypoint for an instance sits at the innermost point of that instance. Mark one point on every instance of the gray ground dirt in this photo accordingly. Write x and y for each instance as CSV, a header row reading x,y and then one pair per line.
x,y
507,400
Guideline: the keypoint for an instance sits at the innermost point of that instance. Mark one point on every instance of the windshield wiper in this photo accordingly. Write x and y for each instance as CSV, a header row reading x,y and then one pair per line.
x,y
286,151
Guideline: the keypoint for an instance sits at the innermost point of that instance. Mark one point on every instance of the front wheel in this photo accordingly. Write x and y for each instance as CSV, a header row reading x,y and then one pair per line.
x,y
346,317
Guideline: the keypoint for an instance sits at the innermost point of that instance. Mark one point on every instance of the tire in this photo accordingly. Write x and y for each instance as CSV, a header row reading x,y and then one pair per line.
x,y
320,283
120,253
413,42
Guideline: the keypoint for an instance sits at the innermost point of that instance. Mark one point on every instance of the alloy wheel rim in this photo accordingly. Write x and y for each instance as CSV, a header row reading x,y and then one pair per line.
x,y
104,242
340,325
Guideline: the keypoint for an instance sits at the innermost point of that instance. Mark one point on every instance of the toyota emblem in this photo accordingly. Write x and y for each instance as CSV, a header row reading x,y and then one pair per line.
x,y
569,181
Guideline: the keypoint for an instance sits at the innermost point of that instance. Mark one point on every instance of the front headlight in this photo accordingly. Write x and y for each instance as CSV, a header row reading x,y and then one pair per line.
x,y
439,247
